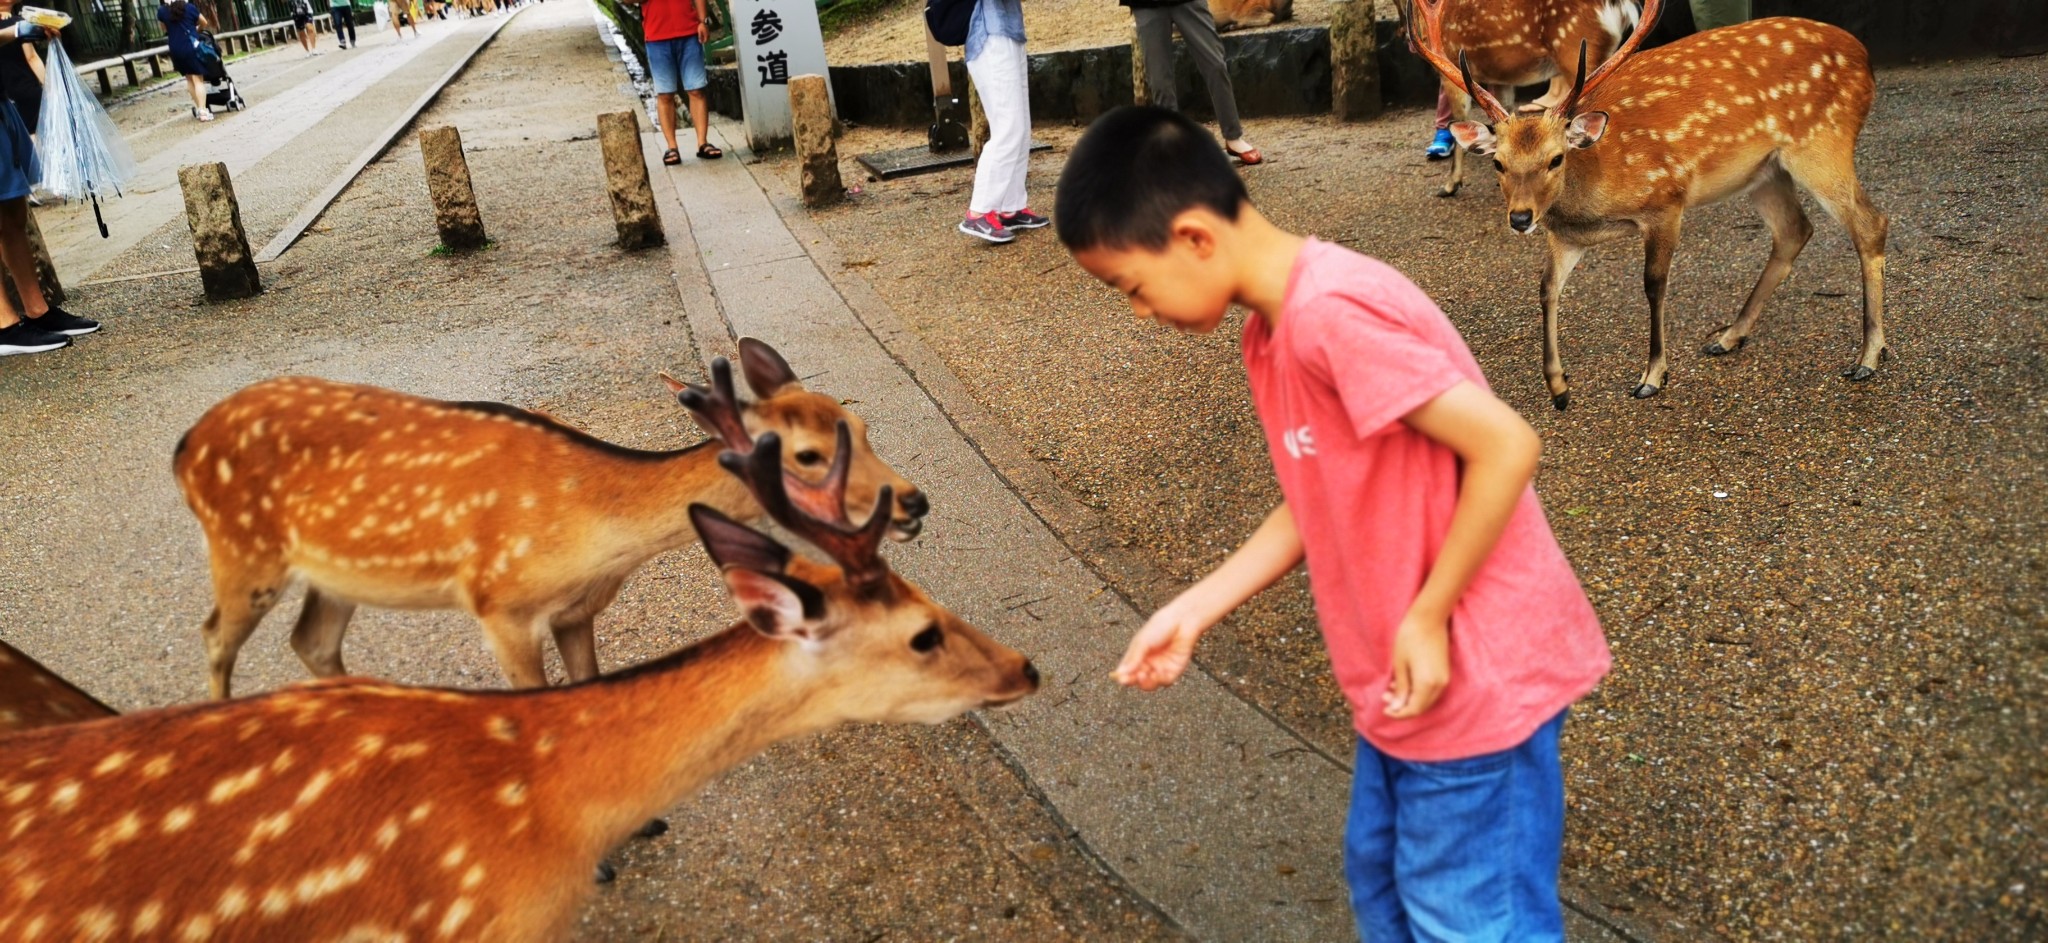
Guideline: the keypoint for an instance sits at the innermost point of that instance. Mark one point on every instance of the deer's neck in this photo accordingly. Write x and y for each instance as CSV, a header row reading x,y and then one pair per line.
x,y
649,499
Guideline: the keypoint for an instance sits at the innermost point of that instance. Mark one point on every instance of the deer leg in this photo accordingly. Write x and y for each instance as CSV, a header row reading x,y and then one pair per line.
x,y
1660,241
240,601
1778,202
577,643
516,640
317,637
1833,183
1564,257
1461,110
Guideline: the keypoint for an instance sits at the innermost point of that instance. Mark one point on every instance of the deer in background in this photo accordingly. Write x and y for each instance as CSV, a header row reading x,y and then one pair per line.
x,y
379,498
1763,108
34,696
362,810
1522,42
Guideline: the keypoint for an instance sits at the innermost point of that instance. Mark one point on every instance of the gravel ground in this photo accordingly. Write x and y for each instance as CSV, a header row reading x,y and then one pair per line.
x,y
865,834
896,33
1828,602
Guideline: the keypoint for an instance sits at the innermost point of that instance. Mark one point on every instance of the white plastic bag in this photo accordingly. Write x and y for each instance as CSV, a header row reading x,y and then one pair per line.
x,y
82,152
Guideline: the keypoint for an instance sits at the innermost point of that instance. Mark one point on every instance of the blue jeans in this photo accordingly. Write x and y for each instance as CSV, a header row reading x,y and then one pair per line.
x,y
676,65
344,19
1463,850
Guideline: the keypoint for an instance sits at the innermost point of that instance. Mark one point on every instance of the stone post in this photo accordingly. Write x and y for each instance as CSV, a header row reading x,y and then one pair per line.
x,y
625,174
226,266
977,121
1354,61
46,270
817,156
455,212
1141,93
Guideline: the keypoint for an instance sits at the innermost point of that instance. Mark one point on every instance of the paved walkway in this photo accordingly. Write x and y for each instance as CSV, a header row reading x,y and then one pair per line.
x,y
1223,818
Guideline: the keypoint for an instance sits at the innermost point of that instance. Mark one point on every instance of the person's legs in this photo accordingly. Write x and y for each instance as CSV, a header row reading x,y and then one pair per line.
x,y
20,259
1709,14
1155,38
196,86
664,69
1440,146
665,108
999,79
1198,28
1479,842
694,80
1369,851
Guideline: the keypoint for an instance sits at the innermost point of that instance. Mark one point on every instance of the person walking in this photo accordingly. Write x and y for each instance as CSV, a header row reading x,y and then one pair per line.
x,y
998,207
1155,21
404,14
302,20
676,32
344,15
39,326
182,22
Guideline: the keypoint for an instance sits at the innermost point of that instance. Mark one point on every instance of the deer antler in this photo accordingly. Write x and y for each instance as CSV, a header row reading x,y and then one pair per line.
x,y
718,409
817,513
1459,75
1652,9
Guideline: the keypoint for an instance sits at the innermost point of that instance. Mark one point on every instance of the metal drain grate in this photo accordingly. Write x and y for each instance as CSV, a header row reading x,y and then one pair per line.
x,y
888,165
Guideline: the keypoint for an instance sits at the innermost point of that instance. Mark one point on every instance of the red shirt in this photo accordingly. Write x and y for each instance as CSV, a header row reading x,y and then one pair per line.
x,y
668,19
1358,347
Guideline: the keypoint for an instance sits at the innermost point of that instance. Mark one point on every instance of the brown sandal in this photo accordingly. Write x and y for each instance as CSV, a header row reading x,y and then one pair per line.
x,y
671,157
709,152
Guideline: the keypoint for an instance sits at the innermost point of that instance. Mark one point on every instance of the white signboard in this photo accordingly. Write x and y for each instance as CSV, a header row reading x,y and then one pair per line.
x,y
775,39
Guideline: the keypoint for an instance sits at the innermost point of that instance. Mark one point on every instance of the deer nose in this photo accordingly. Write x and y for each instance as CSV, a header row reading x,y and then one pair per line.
x,y
1031,673
1521,220
914,503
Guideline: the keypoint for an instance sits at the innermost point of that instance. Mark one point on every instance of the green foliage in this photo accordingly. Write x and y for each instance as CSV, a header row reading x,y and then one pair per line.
x,y
836,15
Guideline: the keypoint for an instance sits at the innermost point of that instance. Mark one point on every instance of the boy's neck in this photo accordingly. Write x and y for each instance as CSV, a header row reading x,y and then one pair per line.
x,y
1264,256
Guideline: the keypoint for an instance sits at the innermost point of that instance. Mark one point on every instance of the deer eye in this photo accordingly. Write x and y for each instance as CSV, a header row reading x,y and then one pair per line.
x,y
927,640
1557,162
809,457
1497,165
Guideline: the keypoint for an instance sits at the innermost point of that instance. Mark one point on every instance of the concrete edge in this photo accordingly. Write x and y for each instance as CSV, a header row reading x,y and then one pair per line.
x,y
310,213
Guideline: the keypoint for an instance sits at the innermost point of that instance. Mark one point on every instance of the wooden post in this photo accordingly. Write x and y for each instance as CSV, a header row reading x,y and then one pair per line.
x,y
455,212
1141,93
1354,61
977,121
625,174
226,266
817,156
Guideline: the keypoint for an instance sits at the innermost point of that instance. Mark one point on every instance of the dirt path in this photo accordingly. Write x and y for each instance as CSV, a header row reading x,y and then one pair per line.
x,y
1826,600
896,32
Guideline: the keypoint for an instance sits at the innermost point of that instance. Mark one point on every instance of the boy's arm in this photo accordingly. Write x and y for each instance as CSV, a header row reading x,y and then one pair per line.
x,y
1499,452
1159,653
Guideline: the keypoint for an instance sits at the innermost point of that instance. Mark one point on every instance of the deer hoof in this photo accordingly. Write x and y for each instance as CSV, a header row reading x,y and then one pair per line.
x,y
1643,391
1859,373
1561,400
652,828
1714,348
606,873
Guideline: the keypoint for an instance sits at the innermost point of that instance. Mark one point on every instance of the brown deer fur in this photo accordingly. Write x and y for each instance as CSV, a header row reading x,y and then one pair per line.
x,y
34,696
380,498
1249,14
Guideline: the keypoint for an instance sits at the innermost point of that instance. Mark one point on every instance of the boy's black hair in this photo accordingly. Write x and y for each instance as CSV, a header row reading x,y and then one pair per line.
x,y
1132,172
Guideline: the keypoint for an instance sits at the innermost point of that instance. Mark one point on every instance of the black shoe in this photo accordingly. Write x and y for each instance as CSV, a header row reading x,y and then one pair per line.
x,y
60,321
1024,219
23,337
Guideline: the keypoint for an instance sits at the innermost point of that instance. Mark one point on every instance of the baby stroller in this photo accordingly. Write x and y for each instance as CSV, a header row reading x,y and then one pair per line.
x,y
220,89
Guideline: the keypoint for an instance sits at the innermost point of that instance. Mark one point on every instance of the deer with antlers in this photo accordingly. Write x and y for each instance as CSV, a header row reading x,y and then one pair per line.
x,y
1523,42
362,810
374,497
1765,108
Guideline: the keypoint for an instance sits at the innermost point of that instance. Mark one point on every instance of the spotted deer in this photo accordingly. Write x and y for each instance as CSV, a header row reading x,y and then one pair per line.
x,y
354,809
1523,42
1764,108
375,497
34,696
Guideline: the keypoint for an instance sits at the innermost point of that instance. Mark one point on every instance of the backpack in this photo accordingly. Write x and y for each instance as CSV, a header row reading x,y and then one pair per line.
x,y
948,19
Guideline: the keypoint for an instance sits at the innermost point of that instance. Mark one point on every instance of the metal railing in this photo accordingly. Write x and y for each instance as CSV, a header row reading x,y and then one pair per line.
x,y
157,58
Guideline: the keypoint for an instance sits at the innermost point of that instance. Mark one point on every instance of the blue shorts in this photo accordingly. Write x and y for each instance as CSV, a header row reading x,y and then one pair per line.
x,y
676,65
1463,850
20,170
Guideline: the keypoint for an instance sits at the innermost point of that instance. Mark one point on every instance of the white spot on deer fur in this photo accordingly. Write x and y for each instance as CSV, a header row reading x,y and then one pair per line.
x,y
177,819
21,793
512,793
419,813
313,788
455,856
387,834
158,767
275,903
114,761
225,471
66,796
199,929
457,913
147,919
125,830
528,502
369,744
473,877
501,728
96,924
234,902
232,786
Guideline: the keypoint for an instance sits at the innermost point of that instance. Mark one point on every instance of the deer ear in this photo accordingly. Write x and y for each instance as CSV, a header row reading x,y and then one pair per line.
x,y
767,373
1585,130
1473,136
776,606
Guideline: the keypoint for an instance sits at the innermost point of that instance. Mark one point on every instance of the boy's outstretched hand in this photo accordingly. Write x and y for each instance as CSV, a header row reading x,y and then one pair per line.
x,y
1160,652
1422,666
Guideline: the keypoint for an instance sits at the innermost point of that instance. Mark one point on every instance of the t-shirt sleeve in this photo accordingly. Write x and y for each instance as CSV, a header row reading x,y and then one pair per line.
x,y
1380,367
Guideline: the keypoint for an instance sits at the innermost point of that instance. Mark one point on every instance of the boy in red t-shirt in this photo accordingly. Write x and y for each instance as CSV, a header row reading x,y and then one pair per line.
x,y
1454,623
676,31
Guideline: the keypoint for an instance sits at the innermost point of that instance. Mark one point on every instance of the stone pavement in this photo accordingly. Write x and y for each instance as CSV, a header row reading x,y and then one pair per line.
x,y
1219,815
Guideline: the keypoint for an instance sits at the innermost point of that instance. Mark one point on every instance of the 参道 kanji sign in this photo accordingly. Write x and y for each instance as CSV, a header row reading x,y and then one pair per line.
x,y
775,39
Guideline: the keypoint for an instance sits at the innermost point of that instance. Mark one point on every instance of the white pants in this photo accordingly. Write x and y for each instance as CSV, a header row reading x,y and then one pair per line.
x,y
1000,78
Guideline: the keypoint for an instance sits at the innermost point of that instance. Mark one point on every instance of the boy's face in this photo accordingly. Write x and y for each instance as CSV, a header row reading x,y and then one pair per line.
x,y
1184,286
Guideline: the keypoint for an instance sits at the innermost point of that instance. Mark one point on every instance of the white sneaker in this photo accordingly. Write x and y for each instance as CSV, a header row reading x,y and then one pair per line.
x,y
206,115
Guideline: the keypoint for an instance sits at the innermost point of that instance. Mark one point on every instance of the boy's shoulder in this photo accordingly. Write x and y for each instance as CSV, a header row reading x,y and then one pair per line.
x,y
1332,281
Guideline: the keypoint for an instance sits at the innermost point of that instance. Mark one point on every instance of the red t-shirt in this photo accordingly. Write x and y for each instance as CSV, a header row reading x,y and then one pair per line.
x,y
668,19
1359,346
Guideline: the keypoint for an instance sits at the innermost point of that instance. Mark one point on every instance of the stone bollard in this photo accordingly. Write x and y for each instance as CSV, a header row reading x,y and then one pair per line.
x,y
455,212
226,266
977,121
625,175
46,270
817,156
1141,93
1354,61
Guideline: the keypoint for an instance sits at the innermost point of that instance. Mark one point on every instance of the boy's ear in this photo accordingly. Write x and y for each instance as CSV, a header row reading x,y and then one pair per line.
x,y
1194,229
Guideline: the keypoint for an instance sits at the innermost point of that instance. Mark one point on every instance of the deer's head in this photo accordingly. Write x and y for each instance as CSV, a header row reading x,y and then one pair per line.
x,y
871,644
1531,152
806,422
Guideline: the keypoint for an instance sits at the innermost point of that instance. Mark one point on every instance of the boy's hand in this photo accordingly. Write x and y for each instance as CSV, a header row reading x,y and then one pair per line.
x,y
1160,652
1422,666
